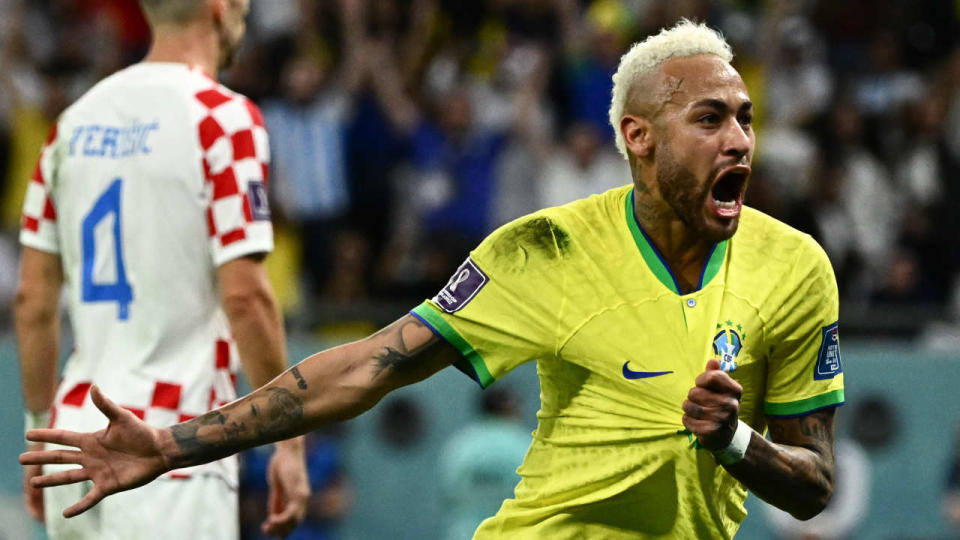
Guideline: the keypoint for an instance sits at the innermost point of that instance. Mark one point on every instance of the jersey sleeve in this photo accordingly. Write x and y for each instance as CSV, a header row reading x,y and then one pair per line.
x,y
236,158
500,308
38,226
804,371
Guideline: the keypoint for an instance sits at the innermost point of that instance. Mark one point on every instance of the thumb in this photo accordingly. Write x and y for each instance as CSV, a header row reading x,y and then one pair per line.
x,y
109,409
712,364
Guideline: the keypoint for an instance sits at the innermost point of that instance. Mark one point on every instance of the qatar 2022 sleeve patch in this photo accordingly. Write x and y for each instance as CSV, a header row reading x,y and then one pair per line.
x,y
462,287
257,197
828,359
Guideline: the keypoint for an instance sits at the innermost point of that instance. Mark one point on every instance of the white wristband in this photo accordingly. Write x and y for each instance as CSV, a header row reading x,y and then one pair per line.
x,y
738,446
35,420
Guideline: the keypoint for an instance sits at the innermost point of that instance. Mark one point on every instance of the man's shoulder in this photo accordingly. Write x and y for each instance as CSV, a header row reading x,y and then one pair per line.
x,y
159,85
767,249
767,236
560,232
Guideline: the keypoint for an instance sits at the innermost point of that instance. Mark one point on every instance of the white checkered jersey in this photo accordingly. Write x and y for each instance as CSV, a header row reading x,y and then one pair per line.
x,y
150,181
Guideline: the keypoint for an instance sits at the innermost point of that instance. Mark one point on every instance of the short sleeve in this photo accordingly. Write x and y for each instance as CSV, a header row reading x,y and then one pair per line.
x,y
500,307
38,225
236,158
805,372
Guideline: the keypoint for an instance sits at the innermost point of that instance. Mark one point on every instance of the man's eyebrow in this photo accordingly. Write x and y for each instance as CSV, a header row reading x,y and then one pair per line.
x,y
722,106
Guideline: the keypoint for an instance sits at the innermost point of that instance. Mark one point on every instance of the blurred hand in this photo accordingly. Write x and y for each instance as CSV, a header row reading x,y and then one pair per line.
x,y
33,497
711,408
123,456
289,488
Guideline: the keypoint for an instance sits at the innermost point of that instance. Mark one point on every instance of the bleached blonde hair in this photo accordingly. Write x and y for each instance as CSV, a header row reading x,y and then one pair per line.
x,y
686,38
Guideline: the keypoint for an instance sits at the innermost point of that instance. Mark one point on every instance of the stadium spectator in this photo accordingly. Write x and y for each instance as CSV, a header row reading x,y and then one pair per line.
x,y
639,448
309,127
581,167
148,205
478,464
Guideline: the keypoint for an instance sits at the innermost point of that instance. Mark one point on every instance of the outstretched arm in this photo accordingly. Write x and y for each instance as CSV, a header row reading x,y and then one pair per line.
x,y
793,471
332,385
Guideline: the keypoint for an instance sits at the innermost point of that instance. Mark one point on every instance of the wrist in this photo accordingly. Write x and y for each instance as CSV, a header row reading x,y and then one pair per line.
x,y
737,449
35,420
291,445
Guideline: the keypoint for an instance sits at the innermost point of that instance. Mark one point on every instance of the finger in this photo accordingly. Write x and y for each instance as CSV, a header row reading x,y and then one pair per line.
x,y
719,381
712,365
280,525
693,410
49,457
109,409
58,479
699,426
55,436
86,503
716,400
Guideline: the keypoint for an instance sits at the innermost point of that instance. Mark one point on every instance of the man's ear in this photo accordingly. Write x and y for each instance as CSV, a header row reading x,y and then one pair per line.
x,y
637,135
219,9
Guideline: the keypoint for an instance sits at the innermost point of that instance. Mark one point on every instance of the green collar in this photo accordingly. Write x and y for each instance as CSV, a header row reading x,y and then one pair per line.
x,y
658,265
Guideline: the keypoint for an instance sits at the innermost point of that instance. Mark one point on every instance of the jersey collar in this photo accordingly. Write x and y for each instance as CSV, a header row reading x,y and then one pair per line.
x,y
658,265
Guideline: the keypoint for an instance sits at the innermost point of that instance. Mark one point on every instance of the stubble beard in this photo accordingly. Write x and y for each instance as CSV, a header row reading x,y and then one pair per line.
x,y
681,192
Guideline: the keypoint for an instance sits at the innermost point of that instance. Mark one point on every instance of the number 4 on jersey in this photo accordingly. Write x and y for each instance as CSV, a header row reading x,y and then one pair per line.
x,y
119,291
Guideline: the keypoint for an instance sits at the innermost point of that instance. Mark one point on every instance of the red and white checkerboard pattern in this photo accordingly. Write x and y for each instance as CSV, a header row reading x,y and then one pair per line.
x,y
235,152
39,215
164,405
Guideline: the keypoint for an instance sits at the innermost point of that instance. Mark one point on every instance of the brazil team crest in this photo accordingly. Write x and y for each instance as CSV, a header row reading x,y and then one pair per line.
x,y
727,345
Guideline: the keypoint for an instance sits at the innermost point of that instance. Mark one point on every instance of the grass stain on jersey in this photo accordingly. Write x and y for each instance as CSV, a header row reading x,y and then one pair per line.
x,y
536,238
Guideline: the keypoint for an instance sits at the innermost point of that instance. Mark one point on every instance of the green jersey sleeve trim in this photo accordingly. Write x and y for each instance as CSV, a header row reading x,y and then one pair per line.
x,y
658,265
647,251
797,408
471,362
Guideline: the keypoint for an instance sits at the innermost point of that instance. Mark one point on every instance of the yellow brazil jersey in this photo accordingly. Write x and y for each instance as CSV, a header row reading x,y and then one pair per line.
x,y
582,291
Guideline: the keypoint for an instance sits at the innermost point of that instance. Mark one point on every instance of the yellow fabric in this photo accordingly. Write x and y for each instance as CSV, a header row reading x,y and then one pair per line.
x,y
29,129
568,287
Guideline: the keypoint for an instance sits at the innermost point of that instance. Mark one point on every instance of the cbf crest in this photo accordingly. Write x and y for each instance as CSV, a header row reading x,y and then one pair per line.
x,y
727,345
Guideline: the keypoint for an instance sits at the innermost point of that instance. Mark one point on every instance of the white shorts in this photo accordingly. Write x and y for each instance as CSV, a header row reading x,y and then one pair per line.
x,y
202,507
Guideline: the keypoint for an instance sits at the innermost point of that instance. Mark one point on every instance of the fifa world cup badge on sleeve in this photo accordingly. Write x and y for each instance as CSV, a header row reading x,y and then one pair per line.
x,y
462,287
828,360
259,208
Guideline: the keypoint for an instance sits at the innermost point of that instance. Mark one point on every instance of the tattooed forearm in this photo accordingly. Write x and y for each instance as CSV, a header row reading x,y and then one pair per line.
x,y
273,414
283,414
301,382
794,472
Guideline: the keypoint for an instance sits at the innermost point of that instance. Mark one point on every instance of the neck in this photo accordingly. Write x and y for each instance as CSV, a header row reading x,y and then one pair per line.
x,y
193,44
684,251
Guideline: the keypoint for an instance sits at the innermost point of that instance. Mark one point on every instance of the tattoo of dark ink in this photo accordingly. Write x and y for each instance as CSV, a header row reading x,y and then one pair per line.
x,y
284,413
186,438
301,382
399,357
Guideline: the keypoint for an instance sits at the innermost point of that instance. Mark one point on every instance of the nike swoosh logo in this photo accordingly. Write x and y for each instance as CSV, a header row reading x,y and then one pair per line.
x,y
630,374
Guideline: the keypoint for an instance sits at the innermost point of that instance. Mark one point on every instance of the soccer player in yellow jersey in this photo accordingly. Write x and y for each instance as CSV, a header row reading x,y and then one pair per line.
x,y
671,326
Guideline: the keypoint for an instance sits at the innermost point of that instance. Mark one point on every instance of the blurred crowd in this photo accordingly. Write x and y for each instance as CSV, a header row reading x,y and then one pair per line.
x,y
403,131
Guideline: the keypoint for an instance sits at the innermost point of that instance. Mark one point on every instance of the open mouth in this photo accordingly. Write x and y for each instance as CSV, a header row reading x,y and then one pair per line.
x,y
727,191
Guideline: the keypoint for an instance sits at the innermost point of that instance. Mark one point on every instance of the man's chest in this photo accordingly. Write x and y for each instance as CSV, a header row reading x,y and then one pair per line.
x,y
655,347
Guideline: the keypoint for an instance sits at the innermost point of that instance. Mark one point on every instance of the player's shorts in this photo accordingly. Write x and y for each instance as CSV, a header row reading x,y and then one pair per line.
x,y
202,507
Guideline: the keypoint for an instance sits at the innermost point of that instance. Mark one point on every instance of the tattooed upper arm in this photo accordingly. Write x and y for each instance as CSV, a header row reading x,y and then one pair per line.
x,y
813,431
409,351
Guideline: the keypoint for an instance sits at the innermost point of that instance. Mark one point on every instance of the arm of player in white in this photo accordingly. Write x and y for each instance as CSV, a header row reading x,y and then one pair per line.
x,y
36,313
330,386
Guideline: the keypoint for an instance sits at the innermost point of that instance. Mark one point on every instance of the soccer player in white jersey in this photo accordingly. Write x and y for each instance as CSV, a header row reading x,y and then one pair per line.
x,y
148,204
